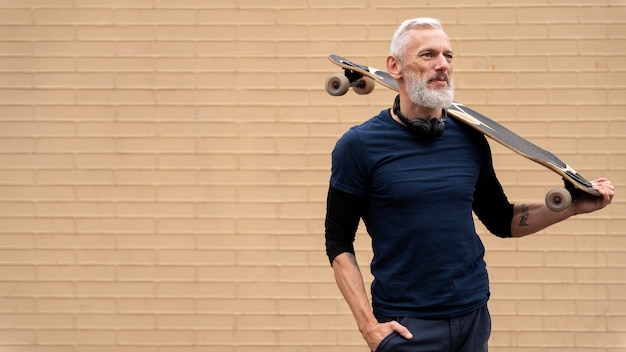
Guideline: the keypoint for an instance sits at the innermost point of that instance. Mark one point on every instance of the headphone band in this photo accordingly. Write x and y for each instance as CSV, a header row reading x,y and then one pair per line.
x,y
420,127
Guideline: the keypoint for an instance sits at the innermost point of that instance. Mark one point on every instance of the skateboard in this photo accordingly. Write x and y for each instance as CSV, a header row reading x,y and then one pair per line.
x,y
364,78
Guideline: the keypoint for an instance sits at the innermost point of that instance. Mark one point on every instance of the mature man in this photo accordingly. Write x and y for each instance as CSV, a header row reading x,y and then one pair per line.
x,y
415,177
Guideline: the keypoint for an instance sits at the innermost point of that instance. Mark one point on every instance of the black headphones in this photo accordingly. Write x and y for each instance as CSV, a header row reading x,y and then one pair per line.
x,y
419,127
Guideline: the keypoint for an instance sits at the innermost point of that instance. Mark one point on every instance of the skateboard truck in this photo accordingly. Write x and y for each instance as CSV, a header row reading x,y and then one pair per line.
x,y
338,84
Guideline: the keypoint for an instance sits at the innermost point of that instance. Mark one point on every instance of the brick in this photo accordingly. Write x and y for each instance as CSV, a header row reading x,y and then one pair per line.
x,y
227,306
546,339
483,48
82,241
193,322
61,145
58,48
244,273
37,289
561,14
576,63
201,64
155,113
113,97
114,4
15,338
156,306
274,258
197,290
267,290
156,274
104,193
21,193
116,162
120,289
110,321
106,256
126,64
492,15
27,96
73,113
601,14
138,210
74,273
550,80
514,31
22,129
483,80
16,16
75,306
218,338
233,16
16,48
597,31
17,145
169,241
220,240
64,16
15,209
197,257
102,32
90,337
85,80
104,225
39,65
75,177
26,31
546,308
154,16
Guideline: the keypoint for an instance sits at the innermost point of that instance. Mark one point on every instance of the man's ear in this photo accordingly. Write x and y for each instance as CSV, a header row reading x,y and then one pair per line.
x,y
394,67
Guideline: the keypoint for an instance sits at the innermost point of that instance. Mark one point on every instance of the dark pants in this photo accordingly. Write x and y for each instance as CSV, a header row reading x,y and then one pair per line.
x,y
465,333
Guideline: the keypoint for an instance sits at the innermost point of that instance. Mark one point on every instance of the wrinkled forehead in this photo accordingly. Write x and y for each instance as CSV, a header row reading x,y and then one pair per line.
x,y
433,39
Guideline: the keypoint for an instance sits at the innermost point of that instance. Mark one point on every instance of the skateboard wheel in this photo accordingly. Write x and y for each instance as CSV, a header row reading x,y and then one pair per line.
x,y
337,85
558,199
364,86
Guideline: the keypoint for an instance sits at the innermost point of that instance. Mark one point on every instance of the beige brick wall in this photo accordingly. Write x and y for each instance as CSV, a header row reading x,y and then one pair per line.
x,y
164,167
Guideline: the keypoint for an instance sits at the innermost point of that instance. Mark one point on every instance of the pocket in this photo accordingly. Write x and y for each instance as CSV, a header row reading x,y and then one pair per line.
x,y
382,345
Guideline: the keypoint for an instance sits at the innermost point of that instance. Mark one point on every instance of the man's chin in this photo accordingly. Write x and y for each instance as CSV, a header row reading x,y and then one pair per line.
x,y
440,101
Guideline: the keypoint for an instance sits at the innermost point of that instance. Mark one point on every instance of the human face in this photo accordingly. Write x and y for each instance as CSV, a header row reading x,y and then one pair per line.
x,y
428,69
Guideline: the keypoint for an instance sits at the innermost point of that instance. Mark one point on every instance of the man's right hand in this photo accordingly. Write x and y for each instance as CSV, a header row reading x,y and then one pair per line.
x,y
374,334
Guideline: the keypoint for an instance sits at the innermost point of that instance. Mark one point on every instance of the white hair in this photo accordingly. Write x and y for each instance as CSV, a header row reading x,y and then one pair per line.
x,y
399,40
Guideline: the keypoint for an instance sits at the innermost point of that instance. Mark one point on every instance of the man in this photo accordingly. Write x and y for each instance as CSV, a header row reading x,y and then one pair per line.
x,y
415,177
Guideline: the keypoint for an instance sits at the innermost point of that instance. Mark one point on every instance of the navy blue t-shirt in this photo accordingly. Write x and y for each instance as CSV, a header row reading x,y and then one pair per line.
x,y
428,260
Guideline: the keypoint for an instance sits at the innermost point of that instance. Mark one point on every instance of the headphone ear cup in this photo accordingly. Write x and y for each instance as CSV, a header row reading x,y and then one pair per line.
x,y
438,125
421,128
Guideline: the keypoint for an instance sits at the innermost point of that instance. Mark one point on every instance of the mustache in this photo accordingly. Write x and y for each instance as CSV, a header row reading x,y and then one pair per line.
x,y
442,76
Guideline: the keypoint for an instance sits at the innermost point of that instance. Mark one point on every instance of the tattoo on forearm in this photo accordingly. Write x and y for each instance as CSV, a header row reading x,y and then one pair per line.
x,y
523,218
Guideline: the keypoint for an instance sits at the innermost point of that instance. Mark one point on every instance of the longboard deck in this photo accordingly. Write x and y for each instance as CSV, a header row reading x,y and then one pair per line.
x,y
492,129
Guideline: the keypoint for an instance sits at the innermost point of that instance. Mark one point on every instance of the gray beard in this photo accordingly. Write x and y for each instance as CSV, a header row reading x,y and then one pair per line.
x,y
420,94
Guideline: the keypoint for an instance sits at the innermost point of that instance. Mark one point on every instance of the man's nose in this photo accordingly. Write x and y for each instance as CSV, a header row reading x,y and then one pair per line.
x,y
443,63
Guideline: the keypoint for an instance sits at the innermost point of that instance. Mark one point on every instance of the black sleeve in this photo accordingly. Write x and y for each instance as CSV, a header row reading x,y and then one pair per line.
x,y
343,212
493,208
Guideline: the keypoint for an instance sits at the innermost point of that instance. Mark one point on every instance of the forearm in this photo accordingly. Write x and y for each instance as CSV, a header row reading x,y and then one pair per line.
x,y
528,219
531,218
352,287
